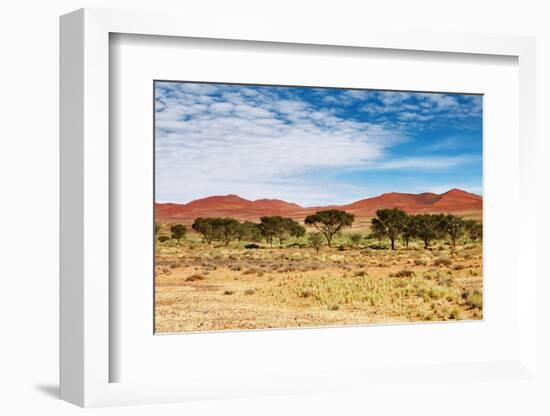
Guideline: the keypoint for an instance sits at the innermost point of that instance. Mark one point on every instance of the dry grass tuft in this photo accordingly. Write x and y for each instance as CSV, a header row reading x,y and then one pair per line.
x,y
473,299
442,261
195,277
404,273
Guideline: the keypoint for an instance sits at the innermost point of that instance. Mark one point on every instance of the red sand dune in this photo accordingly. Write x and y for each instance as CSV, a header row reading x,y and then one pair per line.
x,y
234,206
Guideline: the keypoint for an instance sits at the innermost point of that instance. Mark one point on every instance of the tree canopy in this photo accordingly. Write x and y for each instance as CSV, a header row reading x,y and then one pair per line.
x,y
330,222
279,227
225,229
428,227
389,223
454,227
249,231
205,227
474,229
178,231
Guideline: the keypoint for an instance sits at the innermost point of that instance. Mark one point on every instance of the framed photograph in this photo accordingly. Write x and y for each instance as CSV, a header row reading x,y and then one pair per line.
x,y
273,212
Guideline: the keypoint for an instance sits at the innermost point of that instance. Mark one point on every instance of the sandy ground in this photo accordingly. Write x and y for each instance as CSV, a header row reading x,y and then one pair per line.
x,y
204,288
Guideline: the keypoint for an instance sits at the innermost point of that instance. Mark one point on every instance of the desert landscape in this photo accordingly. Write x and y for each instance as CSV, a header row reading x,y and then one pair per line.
x,y
228,263
291,207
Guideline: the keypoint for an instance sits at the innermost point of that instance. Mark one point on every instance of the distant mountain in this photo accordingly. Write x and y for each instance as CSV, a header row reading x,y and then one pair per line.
x,y
395,200
453,201
225,206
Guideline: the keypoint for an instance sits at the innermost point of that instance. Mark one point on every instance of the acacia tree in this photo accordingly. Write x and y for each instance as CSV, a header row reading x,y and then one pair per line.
x,y
474,229
329,222
280,228
410,229
249,231
178,231
289,228
454,227
217,229
428,227
389,223
204,227
269,227
225,229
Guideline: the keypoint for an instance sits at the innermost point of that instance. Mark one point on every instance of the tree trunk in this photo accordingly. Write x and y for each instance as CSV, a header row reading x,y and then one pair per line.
x,y
392,244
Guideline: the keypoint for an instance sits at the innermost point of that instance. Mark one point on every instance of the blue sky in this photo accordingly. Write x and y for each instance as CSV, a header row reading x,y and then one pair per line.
x,y
312,146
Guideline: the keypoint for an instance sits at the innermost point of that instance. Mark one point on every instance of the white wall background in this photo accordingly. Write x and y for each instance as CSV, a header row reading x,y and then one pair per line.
x,y
29,207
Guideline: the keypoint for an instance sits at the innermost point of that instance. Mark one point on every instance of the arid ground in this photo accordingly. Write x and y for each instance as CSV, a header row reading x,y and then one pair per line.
x,y
202,287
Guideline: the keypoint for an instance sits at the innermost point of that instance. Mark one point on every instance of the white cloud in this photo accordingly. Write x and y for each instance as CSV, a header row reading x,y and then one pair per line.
x,y
248,111
237,146
358,94
410,115
289,106
221,107
420,107
391,98
213,140
426,163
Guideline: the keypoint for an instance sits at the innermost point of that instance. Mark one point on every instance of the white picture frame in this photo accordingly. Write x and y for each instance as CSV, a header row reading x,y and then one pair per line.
x,y
85,211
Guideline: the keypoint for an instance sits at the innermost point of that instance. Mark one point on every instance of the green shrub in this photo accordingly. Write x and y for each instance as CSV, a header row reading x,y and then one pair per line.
x,y
178,231
355,239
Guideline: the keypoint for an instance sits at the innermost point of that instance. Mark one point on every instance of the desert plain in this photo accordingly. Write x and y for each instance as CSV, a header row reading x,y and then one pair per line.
x,y
245,284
